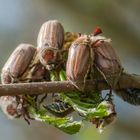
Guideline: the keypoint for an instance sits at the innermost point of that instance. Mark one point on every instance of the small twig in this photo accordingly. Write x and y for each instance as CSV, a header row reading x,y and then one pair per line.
x,y
126,81
44,87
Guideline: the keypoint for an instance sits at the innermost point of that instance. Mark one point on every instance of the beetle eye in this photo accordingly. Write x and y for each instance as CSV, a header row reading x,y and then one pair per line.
x,y
46,44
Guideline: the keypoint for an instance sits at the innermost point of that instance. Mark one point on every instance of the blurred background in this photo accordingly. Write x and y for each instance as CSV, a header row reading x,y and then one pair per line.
x,y
20,21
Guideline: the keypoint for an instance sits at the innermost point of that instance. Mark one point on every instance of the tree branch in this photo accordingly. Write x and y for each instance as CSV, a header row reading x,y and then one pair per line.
x,y
125,81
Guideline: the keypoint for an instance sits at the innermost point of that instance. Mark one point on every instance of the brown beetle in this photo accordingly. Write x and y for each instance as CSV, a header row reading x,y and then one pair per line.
x,y
79,61
106,60
49,44
17,63
13,70
22,66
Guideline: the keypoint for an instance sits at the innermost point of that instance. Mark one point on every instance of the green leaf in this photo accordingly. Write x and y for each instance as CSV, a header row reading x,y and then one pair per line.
x,y
88,110
54,75
62,75
71,128
65,124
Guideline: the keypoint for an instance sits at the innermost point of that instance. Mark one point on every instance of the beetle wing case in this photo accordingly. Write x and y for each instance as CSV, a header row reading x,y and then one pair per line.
x,y
78,61
15,67
49,43
106,60
51,34
17,63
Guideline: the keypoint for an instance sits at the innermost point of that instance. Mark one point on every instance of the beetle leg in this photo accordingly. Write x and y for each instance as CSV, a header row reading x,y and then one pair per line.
x,y
110,92
28,122
25,112
27,117
110,87
43,98
108,97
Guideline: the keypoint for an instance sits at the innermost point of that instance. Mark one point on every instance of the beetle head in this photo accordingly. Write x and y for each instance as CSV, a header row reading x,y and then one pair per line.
x,y
11,107
49,57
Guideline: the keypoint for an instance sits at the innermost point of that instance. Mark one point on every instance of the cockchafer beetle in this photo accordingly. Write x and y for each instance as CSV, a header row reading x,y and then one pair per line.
x,y
80,58
17,63
22,66
100,56
15,107
10,106
106,60
49,44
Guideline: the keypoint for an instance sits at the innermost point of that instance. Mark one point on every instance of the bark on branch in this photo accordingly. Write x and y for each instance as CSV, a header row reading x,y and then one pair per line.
x,y
125,81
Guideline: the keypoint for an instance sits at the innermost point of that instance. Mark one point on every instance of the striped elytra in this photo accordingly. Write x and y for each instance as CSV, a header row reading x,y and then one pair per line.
x,y
51,35
49,43
78,62
17,63
106,60
21,66
13,70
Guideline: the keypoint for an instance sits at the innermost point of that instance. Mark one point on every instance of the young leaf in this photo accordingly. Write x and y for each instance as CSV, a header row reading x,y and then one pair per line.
x,y
65,124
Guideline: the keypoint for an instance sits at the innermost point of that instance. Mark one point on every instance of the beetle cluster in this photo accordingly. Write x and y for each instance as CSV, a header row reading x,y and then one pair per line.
x,y
30,64
81,56
89,54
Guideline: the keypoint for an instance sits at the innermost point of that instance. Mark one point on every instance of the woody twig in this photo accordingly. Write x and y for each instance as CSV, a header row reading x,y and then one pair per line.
x,y
126,81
